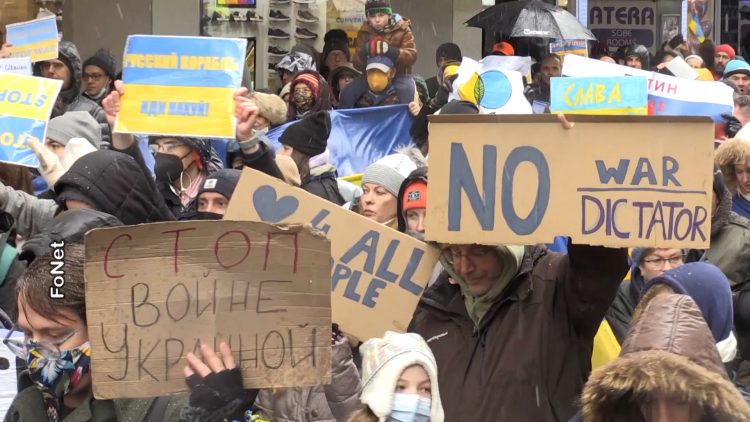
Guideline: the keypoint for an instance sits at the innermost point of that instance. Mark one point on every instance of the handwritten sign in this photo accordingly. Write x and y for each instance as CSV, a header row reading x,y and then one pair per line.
x,y
36,39
17,65
180,86
613,181
563,47
378,274
155,292
25,106
667,95
621,23
613,96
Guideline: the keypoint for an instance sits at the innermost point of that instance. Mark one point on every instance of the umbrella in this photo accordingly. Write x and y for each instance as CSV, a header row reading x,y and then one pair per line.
x,y
531,18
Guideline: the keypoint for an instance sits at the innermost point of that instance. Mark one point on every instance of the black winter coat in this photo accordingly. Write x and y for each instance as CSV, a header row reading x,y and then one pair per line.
x,y
325,186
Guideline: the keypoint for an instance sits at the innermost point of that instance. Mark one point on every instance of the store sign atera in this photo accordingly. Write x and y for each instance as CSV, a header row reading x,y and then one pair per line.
x,y
621,23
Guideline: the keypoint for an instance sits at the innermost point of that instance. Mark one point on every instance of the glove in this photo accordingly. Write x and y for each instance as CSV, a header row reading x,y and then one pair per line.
x,y
732,125
217,396
50,166
336,335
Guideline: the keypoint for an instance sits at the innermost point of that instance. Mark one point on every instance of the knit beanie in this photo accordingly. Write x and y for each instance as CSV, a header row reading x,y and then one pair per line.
x,y
389,172
415,196
726,48
378,6
383,362
103,60
336,45
309,80
222,182
309,135
458,107
272,107
736,66
709,288
75,124
676,41
449,51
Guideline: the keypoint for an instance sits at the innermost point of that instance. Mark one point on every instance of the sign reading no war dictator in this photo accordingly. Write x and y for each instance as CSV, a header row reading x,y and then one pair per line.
x,y
36,39
377,273
156,292
25,106
612,181
180,86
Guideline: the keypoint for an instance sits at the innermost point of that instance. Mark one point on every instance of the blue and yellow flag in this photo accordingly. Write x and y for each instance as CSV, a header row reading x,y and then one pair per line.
x,y
25,106
180,86
626,95
36,39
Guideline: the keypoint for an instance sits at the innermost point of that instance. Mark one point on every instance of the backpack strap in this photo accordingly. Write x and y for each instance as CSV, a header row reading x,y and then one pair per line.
x,y
157,410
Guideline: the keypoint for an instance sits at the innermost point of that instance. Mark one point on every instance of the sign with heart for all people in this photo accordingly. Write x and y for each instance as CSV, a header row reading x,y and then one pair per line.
x,y
377,273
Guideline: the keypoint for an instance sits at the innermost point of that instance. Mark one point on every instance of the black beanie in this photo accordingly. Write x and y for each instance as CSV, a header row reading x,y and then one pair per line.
x,y
336,45
310,135
378,6
222,181
676,41
449,51
459,107
104,61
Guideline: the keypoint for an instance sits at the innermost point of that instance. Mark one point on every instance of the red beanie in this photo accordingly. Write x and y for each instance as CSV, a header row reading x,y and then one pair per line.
x,y
415,196
726,48
310,80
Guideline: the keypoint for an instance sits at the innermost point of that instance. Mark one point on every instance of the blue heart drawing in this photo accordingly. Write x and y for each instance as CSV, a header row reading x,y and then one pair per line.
x,y
272,209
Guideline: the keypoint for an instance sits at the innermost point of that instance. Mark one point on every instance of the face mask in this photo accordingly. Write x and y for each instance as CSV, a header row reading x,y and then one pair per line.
x,y
378,81
303,101
261,132
58,373
168,166
409,408
203,215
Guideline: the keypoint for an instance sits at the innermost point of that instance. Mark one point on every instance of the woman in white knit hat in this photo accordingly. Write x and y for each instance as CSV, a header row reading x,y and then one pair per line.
x,y
381,182
399,381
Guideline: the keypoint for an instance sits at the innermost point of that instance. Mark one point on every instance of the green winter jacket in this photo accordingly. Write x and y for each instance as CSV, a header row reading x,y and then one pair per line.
x,y
28,407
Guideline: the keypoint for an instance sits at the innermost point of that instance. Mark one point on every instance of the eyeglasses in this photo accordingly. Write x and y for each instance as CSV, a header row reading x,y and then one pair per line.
x,y
50,349
473,252
96,77
659,262
165,147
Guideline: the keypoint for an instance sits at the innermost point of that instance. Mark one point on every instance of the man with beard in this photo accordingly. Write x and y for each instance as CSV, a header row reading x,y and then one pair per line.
x,y
723,55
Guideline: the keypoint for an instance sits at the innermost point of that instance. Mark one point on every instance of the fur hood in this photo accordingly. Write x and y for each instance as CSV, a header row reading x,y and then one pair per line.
x,y
669,350
731,152
272,107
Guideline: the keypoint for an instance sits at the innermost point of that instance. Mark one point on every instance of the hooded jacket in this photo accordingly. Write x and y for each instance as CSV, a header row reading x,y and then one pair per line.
x,y
322,99
71,98
529,357
323,182
397,35
669,351
114,183
729,153
418,174
642,53
321,403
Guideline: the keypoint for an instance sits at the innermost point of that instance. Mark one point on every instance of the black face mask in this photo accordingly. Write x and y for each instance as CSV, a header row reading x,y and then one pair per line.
x,y
203,215
168,166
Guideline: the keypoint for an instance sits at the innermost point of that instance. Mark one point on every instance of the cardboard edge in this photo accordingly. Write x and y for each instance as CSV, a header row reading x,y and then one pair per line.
x,y
575,118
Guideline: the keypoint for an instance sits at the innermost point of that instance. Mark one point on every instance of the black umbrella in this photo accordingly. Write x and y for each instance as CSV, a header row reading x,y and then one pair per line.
x,y
531,18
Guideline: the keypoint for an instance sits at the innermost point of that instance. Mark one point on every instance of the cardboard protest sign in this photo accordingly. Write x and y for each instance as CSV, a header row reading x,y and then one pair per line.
x,y
667,95
180,86
613,96
36,39
616,181
25,106
563,47
378,274
18,66
155,292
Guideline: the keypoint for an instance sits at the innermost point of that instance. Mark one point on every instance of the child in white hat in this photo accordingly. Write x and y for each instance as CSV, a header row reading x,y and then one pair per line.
x,y
399,381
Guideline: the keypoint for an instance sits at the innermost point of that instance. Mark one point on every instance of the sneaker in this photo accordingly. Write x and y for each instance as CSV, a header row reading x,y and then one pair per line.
x,y
276,51
253,17
236,17
279,1
277,33
218,17
272,66
306,16
277,15
304,1
305,33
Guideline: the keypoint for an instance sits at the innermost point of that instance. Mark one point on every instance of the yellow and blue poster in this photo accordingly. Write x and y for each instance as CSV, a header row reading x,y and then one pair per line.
x,y
491,86
627,95
180,86
25,106
563,47
36,39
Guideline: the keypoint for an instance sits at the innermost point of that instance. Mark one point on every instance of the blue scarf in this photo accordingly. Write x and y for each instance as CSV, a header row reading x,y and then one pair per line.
x,y
740,205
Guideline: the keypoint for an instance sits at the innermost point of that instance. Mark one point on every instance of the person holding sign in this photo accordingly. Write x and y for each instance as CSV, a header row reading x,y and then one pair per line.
x,y
512,327
67,68
57,352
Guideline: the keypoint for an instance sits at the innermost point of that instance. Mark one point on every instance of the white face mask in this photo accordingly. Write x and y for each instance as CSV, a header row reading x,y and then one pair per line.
x,y
409,408
261,132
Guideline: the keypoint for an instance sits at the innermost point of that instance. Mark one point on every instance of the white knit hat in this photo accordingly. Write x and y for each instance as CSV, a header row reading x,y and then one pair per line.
x,y
383,362
389,172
